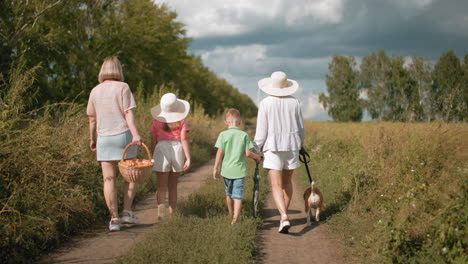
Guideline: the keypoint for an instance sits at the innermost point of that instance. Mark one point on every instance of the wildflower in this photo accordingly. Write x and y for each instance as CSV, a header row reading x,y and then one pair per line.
x,y
444,250
380,221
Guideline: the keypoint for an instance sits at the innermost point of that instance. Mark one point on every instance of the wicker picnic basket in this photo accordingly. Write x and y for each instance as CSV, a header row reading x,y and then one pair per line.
x,y
136,170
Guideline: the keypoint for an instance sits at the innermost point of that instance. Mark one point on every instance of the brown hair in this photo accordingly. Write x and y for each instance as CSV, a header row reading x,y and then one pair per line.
x,y
111,69
171,126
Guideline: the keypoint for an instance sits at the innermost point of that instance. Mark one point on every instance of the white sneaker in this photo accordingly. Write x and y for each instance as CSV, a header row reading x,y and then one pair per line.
x,y
284,227
114,224
130,218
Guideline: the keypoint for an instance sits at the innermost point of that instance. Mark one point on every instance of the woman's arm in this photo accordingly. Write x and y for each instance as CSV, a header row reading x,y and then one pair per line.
x,y
261,132
133,129
186,147
219,157
92,133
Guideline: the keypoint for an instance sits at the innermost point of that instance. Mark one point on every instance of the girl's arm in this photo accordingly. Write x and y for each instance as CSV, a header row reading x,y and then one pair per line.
x,y
92,133
186,147
219,157
133,129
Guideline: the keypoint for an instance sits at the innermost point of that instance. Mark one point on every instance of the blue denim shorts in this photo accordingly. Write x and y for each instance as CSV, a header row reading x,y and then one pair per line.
x,y
234,188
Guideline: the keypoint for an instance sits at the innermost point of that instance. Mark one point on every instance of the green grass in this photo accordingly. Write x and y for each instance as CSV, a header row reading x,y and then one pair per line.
x,y
201,231
397,192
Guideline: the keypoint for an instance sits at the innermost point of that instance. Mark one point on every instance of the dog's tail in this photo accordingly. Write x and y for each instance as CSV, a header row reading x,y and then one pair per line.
x,y
312,186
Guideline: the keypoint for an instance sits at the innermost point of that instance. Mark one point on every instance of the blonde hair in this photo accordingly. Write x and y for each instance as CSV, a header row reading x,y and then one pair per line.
x,y
234,115
111,69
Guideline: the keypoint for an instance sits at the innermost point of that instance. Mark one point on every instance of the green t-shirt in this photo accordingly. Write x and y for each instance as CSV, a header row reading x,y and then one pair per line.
x,y
234,142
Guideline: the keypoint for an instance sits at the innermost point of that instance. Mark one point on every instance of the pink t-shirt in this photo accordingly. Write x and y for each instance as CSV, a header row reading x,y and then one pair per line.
x,y
158,132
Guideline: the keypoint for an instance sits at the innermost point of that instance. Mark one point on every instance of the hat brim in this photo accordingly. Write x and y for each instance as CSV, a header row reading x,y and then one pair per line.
x,y
265,85
181,110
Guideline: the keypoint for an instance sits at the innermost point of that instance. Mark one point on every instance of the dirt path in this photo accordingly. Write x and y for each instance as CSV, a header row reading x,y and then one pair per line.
x,y
314,244
103,246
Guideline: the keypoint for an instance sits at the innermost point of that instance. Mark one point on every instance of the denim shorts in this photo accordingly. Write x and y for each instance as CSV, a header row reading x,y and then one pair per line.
x,y
110,148
234,188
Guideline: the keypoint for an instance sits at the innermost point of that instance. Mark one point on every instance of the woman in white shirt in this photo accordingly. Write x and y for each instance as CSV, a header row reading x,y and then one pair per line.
x,y
111,117
280,135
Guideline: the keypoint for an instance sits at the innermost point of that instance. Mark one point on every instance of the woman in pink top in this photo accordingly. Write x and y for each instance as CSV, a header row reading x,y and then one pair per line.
x,y
112,127
171,152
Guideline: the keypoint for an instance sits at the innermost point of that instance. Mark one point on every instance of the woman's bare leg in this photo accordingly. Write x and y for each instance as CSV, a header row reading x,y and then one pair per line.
x,y
277,190
109,173
287,187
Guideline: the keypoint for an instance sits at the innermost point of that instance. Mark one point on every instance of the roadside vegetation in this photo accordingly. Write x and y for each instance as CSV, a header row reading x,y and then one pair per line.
x,y
397,192
201,231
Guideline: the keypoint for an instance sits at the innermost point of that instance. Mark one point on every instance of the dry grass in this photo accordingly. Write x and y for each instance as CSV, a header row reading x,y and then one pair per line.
x,y
51,183
397,191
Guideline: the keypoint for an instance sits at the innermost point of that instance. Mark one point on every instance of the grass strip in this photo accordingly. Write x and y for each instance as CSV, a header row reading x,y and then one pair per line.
x,y
201,232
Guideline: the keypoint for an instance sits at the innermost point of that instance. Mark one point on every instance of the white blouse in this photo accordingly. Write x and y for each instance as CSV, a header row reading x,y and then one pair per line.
x,y
280,126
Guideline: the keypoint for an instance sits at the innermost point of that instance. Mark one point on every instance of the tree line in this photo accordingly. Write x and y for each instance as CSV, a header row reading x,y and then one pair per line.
x,y
62,43
391,88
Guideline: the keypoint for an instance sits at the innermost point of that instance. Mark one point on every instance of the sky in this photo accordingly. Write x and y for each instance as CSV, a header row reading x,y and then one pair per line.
x,y
243,41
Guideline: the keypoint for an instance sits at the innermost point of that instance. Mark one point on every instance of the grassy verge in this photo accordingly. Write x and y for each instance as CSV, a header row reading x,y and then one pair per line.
x,y
50,182
397,192
201,231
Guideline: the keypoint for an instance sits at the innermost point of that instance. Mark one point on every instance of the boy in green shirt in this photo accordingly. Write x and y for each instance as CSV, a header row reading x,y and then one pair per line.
x,y
232,145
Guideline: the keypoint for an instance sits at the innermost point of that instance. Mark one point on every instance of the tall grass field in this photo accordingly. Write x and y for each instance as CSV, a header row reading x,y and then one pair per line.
x,y
396,191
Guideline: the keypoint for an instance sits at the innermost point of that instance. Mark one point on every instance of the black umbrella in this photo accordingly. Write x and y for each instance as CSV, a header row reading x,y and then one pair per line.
x,y
256,179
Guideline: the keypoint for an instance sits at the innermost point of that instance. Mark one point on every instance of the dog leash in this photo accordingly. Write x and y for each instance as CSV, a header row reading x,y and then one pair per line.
x,y
304,157
256,179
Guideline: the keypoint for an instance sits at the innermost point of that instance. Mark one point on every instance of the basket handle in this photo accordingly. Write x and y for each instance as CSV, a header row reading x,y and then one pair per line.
x,y
129,144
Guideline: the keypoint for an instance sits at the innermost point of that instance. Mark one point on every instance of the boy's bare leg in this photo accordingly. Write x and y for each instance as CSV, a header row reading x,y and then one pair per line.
x,y
237,210
230,205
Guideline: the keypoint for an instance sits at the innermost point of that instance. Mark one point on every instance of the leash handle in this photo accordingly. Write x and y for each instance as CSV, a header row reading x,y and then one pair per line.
x,y
304,157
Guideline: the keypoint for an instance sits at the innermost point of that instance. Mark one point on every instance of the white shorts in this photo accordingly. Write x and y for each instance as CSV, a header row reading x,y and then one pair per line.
x,y
281,160
168,156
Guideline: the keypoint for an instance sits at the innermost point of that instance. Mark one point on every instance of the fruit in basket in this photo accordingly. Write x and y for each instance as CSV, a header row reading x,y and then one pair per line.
x,y
137,163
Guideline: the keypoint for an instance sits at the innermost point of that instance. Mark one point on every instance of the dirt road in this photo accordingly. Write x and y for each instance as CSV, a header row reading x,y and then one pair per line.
x,y
314,244
103,246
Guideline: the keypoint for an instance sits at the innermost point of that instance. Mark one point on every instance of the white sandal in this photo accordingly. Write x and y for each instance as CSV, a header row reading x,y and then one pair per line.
x,y
114,224
130,218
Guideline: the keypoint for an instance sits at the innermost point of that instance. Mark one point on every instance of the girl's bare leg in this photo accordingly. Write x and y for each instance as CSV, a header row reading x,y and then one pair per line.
x,y
172,183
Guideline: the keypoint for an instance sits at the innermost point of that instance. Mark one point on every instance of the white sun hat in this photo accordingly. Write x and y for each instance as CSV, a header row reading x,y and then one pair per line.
x,y
278,85
170,109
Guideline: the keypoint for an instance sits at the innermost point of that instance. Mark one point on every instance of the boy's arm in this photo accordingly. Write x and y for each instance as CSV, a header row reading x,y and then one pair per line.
x,y
249,153
219,157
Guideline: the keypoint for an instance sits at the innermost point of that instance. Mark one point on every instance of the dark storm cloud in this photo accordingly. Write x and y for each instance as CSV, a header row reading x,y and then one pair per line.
x,y
367,26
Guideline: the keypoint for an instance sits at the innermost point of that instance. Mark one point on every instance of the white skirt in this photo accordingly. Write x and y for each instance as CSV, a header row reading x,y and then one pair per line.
x,y
169,156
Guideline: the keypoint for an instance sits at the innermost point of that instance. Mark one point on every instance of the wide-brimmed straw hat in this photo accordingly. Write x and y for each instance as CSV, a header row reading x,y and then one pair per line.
x,y
170,109
278,85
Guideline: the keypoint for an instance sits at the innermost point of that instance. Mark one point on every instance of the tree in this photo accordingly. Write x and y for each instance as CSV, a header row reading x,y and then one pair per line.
x,y
448,88
419,70
342,103
387,84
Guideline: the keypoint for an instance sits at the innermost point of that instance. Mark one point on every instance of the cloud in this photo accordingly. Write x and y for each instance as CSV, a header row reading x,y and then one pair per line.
x,y
245,40
313,110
